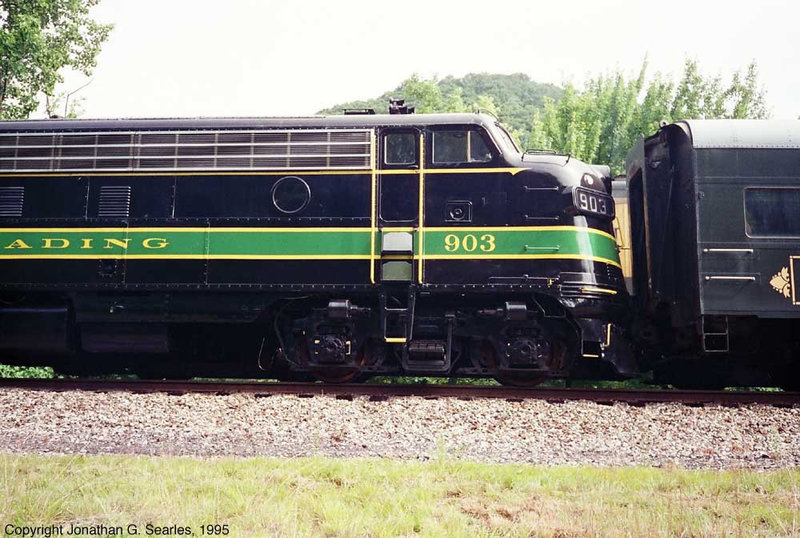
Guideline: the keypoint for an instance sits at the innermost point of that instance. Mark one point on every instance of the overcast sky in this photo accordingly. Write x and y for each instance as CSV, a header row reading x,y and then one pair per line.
x,y
262,58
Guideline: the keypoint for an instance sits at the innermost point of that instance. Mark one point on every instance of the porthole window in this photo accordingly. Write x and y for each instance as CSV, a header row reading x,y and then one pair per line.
x,y
291,194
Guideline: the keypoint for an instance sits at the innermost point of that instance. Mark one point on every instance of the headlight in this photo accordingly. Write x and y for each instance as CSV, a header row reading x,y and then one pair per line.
x,y
593,203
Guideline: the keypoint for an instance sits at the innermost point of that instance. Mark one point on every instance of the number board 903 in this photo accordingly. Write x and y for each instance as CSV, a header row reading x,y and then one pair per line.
x,y
593,203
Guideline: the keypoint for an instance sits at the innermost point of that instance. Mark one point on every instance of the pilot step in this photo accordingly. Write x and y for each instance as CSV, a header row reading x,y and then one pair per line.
x,y
427,356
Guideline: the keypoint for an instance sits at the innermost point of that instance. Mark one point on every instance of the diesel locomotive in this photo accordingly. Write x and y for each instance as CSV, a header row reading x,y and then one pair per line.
x,y
336,247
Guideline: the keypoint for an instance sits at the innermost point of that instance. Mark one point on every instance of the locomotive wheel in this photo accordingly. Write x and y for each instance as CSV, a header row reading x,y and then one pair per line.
x,y
511,378
337,374
520,379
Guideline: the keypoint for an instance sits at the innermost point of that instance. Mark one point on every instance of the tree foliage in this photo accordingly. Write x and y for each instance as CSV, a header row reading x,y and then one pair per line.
x,y
38,39
597,123
601,122
512,98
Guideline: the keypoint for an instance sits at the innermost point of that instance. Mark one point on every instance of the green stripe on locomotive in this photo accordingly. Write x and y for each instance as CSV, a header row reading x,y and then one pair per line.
x,y
520,243
299,243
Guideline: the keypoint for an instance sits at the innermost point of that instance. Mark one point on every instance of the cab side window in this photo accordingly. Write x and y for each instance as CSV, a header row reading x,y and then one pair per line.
x,y
460,146
400,148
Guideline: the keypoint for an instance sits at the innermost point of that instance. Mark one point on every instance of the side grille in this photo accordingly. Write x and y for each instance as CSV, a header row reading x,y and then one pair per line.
x,y
114,202
11,201
298,149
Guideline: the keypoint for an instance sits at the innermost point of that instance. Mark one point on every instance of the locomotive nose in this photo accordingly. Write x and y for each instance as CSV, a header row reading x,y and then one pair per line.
x,y
602,170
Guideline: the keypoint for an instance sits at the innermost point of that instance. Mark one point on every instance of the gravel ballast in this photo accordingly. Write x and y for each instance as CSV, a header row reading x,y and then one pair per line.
x,y
487,430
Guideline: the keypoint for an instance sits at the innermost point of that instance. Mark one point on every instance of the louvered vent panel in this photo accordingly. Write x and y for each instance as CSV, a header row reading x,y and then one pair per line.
x,y
114,201
186,151
11,201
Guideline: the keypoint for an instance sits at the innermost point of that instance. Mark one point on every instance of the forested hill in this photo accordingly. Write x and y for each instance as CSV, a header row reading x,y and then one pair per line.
x,y
513,98
597,123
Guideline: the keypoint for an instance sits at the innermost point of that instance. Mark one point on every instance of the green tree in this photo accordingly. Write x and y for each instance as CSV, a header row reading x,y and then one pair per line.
x,y
454,101
690,93
745,96
601,121
59,105
566,124
486,104
424,94
654,107
39,39
514,98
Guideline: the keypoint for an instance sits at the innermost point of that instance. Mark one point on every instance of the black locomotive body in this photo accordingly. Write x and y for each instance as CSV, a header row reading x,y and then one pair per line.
x,y
715,239
339,246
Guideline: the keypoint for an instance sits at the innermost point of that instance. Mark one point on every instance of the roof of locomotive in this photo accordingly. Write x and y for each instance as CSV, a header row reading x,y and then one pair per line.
x,y
310,122
708,134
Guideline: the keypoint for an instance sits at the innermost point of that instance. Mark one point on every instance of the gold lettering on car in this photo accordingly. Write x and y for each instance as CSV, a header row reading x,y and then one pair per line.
x,y
782,282
55,242
85,243
155,242
19,243
111,243
88,243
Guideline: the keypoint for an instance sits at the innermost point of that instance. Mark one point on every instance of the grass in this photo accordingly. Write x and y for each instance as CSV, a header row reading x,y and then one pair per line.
x,y
326,497
645,382
39,372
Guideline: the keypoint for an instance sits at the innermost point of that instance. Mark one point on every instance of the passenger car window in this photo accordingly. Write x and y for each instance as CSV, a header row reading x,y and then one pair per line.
x,y
772,212
456,146
400,148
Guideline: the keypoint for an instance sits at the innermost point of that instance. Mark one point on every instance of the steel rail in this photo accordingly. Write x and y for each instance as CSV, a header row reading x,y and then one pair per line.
x,y
385,391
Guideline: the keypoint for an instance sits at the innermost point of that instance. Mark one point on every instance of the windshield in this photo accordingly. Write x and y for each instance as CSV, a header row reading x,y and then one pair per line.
x,y
508,140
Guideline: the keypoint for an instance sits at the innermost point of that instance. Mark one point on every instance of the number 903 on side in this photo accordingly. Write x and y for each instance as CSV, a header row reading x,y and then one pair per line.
x,y
470,243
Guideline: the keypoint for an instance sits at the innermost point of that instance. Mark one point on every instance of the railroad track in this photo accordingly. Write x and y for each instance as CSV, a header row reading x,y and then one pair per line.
x,y
382,391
